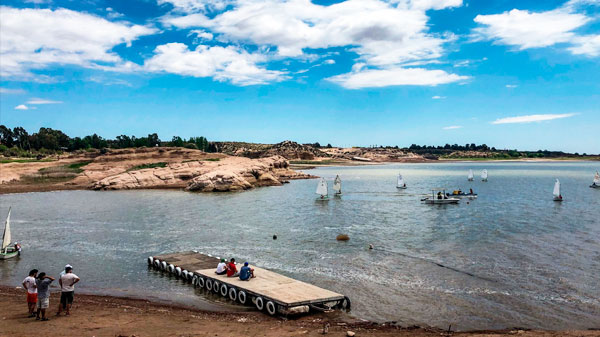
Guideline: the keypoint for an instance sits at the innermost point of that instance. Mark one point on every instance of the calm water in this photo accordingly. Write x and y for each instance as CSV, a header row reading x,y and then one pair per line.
x,y
511,258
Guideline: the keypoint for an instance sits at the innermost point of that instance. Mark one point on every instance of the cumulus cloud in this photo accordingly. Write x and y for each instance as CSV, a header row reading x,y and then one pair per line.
x,y
386,35
222,63
531,118
373,78
61,36
8,91
524,29
21,107
38,101
453,127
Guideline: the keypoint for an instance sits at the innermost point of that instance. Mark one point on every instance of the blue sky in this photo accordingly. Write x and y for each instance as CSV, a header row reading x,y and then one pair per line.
x,y
511,74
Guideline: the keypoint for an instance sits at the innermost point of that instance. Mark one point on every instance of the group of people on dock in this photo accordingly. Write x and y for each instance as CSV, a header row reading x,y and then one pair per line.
x,y
38,292
230,269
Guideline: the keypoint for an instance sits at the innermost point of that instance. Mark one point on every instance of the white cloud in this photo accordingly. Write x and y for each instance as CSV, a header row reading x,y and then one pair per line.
x,y
61,36
222,63
438,97
38,101
373,78
531,118
511,86
384,34
201,34
21,107
453,127
8,91
187,6
524,29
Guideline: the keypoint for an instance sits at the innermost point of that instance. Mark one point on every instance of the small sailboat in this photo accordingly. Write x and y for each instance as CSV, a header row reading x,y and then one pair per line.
x,y
470,176
401,183
484,175
556,192
337,185
7,251
596,183
322,189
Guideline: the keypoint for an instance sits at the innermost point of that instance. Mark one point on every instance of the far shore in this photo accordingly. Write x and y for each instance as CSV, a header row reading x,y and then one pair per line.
x,y
118,316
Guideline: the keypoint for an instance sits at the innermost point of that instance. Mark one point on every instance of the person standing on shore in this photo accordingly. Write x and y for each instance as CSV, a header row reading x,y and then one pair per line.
x,y
29,285
43,301
67,288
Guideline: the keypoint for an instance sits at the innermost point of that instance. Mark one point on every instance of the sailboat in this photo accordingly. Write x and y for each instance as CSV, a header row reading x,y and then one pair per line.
x,y
484,175
401,183
7,252
470,176
322,189
556,192
337,185
596,183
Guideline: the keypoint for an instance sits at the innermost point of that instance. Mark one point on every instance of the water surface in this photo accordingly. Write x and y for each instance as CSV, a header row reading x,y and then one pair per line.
x,y
513,257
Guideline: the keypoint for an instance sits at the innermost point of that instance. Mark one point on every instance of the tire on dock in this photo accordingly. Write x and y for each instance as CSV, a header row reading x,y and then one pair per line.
x,y
163,265
200,282
171,269
216,286
190,276
232,294
157,263
209,284
259,303
184,274
271,308
178,271
150,261
224,290
195,280
242,297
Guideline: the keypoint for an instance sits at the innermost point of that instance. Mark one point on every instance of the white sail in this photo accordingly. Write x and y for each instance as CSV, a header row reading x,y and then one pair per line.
x,y
337,184
597,178
322,187
401,182
6,238
484,175
556,192
470,177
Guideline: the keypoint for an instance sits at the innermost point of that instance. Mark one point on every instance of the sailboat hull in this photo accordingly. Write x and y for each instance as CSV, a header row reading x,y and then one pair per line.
x,y
557,199
594,186
401,187
6,256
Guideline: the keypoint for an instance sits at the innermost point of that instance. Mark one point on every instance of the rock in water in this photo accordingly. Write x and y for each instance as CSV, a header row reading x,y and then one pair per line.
x,y
342,237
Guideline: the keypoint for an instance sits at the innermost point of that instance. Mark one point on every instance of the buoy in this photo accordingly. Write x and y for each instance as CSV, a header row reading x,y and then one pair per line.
x,y
370,246
342,237
274,236
271,308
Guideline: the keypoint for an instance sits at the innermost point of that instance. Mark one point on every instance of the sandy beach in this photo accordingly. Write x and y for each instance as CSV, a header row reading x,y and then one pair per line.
x,y
116,316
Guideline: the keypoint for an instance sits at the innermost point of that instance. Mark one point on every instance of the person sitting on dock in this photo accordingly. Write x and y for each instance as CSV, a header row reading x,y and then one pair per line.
x,y
221,268
246,273
232,269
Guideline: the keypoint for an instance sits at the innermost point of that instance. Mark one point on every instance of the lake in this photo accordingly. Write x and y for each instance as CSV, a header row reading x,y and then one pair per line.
x,y
513,257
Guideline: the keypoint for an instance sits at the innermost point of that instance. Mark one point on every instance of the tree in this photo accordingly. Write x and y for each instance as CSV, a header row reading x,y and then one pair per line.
x,y
153,140
21,138
124,141
177,141
6,136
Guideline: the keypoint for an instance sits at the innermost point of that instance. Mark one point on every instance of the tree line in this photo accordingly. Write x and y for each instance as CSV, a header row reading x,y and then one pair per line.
x,y
16,141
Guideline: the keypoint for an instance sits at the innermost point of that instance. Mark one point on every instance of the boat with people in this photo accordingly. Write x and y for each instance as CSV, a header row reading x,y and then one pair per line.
x,y
484,175
460,194
439,196
470,175
556,193
8,251
337,185
401,183
322,190
596,182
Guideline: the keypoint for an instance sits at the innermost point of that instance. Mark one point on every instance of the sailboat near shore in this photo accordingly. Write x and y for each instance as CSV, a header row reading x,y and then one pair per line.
x,y
556,192
337,185
470,176
7,252
401,183
322,190
596,183
484,175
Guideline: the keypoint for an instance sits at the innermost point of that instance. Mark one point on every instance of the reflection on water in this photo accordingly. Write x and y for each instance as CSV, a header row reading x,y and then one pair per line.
x,y
513,257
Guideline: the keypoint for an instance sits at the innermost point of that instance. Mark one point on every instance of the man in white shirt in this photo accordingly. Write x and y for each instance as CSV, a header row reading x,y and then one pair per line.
x,y
30,286
67,288
221,268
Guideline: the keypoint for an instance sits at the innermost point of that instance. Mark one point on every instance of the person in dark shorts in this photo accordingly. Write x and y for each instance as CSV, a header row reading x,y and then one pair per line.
x,y
67,288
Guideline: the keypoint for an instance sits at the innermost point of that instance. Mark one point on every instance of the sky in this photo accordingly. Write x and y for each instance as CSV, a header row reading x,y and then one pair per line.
x,y
511,74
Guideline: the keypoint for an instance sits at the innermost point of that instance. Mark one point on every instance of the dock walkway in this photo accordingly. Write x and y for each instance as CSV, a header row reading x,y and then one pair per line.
x,y
276,293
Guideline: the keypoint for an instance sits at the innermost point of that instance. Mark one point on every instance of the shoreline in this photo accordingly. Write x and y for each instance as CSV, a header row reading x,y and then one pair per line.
x,y
122,316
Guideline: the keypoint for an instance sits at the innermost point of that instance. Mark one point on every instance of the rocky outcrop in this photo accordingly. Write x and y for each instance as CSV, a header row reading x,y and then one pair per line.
x,y
227,174
286,149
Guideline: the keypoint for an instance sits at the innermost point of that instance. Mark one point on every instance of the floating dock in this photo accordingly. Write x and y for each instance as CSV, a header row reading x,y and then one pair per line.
x,y
270,291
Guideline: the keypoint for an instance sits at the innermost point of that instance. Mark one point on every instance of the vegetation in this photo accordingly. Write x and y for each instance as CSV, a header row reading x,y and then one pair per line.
x,y
146,166
17,142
